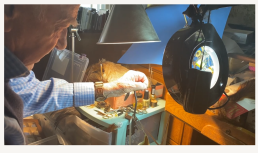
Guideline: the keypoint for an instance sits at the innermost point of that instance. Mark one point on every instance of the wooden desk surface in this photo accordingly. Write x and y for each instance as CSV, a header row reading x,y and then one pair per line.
x,y
208,124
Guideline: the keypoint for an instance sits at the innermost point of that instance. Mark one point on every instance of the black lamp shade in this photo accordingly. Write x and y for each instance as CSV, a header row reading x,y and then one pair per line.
x,y
128,24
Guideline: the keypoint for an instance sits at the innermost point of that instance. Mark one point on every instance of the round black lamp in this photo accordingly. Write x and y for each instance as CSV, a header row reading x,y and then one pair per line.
x,y
195,67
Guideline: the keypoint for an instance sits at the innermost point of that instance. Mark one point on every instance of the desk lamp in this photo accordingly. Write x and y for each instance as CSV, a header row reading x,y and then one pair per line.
x,y
195,63
127,24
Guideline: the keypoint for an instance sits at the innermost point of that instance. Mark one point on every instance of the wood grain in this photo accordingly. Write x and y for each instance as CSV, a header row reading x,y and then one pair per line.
x,y
200,121
187,135
171,142
222,138
221,132
176,130
165,128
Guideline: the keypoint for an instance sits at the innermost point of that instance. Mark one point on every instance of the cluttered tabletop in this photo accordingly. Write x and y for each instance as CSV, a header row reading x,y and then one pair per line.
x,y
92,112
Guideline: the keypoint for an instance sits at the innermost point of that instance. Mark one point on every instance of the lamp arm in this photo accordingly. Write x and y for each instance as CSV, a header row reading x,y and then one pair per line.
x,y
197,14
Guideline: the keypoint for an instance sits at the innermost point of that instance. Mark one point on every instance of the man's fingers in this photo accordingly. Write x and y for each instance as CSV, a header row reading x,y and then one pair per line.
x,y
137,76
143,78
135,86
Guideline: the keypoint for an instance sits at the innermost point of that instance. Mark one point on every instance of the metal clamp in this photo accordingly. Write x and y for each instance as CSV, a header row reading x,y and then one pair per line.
x,y
75,30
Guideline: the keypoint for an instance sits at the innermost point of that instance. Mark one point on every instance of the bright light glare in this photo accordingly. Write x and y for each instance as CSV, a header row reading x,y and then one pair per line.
x,y
210,62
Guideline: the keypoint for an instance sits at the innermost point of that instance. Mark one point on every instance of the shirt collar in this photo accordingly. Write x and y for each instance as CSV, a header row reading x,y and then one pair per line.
x,y
13,67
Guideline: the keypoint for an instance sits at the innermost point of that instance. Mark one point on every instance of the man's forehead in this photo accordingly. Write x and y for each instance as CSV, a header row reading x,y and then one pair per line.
x,y
64,13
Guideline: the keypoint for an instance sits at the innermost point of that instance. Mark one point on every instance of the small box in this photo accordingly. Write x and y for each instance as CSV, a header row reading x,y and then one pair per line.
x,y
60,65
116,102
159,88
240,36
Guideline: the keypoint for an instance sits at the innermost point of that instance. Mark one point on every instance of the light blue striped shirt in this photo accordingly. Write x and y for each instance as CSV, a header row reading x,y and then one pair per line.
x,y
51,95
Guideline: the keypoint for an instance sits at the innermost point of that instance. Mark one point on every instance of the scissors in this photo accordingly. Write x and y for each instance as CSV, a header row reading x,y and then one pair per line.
x,y
117,112
105,116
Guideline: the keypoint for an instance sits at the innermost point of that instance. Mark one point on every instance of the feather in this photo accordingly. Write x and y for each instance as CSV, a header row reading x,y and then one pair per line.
x,y
112,72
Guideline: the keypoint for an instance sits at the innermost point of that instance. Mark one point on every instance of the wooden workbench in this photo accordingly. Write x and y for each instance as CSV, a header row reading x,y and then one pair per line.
x,y
182,124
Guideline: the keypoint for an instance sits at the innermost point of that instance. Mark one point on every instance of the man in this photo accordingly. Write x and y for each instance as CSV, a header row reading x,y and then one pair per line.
x,y
31,32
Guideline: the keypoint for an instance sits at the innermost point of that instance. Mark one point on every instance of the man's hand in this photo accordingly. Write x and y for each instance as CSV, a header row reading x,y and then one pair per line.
x,y
130,81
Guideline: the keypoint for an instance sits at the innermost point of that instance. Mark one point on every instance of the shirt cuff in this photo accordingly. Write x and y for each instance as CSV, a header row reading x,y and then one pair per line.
x,y
84,93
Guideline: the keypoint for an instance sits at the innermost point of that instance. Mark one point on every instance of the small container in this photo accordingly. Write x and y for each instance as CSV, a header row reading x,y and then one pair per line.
x,y
153,96
153,103
139,101
146,99
60,63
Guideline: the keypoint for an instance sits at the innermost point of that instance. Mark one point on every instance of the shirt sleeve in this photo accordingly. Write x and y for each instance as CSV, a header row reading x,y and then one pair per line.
x,y
51,95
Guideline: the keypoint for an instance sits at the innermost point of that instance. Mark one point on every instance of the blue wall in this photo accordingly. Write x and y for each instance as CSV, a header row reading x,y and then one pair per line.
x,y
166,21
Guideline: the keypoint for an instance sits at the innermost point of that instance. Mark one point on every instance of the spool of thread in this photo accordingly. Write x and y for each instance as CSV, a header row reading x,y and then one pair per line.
x,y
153,103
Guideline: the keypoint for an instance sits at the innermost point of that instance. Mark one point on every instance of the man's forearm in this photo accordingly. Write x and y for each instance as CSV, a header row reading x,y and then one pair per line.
x,y
50,95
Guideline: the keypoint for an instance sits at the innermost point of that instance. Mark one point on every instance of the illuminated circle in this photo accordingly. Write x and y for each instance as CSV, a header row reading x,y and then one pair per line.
x,y
210,62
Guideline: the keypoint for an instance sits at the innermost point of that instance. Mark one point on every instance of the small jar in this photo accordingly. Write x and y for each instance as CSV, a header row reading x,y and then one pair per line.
x,y
153,96
153,103
146,99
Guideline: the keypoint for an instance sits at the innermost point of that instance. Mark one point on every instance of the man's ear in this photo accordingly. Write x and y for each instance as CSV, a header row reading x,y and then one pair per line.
x,y
62,41
8,17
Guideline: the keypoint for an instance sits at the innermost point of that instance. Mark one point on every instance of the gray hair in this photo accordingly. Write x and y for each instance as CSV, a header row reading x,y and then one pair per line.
x,y
39,12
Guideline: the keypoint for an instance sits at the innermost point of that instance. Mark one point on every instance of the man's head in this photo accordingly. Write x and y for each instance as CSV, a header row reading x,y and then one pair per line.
x,y
32,31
